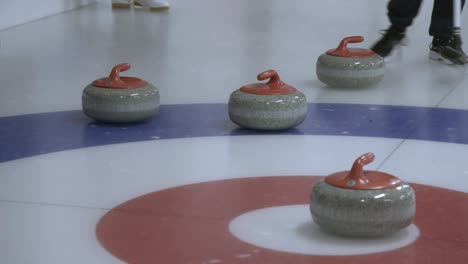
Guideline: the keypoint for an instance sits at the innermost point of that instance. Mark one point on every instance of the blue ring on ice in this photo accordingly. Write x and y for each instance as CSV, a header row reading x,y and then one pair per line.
x,y
33,134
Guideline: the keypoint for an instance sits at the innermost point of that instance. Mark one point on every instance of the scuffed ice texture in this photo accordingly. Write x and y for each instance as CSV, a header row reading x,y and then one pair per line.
x,y
120,105
350,72
267,112
362,212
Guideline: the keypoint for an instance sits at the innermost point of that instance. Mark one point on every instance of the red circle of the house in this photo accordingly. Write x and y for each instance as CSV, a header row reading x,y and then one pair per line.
x,y
190,224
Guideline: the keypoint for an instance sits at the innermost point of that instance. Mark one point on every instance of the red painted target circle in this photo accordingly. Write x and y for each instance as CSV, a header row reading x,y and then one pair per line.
x,y
190,224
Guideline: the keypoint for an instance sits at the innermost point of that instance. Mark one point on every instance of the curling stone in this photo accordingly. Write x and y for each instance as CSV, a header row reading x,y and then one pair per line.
x,y
267,106
362,203
119,99
350,67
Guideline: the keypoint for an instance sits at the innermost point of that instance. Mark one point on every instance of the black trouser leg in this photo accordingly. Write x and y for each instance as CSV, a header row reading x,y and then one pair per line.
x,y
442,18
402,12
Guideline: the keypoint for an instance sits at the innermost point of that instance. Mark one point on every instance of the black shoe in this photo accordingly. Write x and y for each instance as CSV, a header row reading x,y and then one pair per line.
x,y
391,38
448,50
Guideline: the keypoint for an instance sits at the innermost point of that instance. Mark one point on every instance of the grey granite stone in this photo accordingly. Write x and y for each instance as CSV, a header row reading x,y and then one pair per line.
x,y
120,105
349,72
267,112
362,213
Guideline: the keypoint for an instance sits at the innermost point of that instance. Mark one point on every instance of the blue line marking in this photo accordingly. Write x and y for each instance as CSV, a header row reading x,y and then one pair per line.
x,y
28,135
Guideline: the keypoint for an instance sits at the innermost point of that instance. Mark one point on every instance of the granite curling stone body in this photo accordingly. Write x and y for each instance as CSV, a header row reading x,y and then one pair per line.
x,y
361,203
350,67
267,106
119,99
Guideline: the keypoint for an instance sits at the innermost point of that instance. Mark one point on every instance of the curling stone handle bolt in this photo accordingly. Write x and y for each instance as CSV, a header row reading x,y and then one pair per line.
x,y
357,173
115,72
274,82
344,43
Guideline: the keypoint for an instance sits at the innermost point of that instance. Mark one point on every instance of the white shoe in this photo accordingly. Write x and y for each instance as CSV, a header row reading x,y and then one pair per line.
x,y
152,4
121,3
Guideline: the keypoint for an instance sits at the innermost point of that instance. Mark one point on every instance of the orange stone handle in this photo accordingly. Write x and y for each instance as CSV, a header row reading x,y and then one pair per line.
x,y
343,47
115,81
358,179
114,76
357,172
274,82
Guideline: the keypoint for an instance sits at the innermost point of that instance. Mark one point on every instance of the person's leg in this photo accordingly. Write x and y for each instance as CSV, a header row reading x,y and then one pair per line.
x,y
401,14
446,44
442,18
